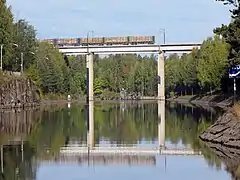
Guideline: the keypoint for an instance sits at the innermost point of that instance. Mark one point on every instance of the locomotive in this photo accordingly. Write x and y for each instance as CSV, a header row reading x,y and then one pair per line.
x,y
125,40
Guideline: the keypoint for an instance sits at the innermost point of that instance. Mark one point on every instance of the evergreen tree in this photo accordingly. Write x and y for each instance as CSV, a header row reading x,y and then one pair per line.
x,y
231,32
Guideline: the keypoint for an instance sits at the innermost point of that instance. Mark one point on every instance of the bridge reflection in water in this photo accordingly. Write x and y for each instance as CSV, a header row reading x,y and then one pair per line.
x,y
95,149
102,159
92,153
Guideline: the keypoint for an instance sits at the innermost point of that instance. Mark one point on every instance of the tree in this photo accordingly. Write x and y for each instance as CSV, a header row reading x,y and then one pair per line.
x,y
213,62
50,64
172,72
235,3
6,32
77,75
231,32
25,38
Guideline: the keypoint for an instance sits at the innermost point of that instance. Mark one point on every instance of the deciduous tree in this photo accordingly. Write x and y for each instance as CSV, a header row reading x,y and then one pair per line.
x,y
213,62
6,33
25,38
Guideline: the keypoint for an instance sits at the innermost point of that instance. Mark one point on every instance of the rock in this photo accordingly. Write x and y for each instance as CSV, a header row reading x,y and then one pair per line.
x,y
225,131
18,92
229,156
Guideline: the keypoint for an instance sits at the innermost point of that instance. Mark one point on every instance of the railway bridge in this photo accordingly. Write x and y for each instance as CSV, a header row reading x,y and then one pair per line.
x,y
89,51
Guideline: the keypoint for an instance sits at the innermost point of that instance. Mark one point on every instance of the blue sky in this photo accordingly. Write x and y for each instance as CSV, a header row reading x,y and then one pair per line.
x,y
184,21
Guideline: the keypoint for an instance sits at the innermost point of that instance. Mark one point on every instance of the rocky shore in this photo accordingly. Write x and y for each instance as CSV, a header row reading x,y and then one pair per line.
x,y
218,100
226,130
223,138
18,92
229,156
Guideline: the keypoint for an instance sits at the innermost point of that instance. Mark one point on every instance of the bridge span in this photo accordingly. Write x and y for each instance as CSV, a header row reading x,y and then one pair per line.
x,y
89,51
101,151
100,159
129,49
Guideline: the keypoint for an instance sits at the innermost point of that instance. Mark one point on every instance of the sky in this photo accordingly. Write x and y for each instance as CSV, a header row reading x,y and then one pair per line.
x,y
185,21
177,167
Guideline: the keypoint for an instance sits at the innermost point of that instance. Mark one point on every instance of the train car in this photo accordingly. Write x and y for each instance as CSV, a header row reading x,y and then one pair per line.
x,y
50,41
68,41
92,41
116,40
141,39
124,40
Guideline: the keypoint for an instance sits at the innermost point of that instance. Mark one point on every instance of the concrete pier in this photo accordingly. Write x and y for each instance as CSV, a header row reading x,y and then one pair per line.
x,y
161,123
91,143
161,76
90,75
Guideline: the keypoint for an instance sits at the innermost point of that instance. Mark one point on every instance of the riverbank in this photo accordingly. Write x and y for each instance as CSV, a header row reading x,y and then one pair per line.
x,y
18,92
207,100
226,130
223,139
219,100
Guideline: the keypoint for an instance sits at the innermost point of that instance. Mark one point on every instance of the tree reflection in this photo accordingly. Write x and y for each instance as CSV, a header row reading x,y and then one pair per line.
x,y
117,123
18,164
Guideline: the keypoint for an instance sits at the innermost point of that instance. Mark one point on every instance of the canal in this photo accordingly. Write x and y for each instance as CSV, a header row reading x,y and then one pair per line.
x,y
58,142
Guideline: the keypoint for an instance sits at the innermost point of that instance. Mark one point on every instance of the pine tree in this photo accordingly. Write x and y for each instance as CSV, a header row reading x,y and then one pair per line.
x,y
231,32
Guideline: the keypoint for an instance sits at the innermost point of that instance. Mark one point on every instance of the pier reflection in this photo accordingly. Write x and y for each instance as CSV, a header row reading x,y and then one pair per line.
x,y
160,124
118,133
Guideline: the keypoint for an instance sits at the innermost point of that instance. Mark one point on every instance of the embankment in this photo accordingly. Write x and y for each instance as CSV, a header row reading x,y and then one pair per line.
x,y
229,156
210,100
226,130
18,91
223,138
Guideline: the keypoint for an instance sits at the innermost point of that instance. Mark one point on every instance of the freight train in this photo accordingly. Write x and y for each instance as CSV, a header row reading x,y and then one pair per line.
x,y
125,40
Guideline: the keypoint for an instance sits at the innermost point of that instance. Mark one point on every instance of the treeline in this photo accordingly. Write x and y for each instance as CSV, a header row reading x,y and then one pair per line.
x,y
200,71
111,74
52,129
56,74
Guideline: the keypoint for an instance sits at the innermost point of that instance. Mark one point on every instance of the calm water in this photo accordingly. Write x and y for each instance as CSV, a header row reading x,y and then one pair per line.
x,y
47,130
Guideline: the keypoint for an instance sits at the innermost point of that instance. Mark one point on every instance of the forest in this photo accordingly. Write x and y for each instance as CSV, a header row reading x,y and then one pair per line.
x,y
204,70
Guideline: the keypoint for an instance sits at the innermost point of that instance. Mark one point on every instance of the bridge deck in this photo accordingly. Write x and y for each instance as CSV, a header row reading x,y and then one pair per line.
x,y
129,49
126,151
107,159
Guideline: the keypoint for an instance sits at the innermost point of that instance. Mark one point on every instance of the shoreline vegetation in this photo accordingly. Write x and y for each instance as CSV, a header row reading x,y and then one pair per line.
x,y
11,83
56,75
203,100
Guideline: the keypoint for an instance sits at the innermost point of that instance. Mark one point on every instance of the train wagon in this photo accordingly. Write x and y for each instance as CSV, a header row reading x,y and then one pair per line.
x,y
124,40
92,41
68,41
50,41
141,39
116,40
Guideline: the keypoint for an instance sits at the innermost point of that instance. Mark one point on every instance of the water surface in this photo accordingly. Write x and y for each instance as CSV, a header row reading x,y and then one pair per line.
x,y
31,142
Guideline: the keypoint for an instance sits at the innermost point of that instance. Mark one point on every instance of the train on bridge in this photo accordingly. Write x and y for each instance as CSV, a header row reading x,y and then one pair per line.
x,y
124,40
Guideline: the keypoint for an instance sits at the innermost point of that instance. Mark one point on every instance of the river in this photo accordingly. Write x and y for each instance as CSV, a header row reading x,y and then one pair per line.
x,y
58,142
